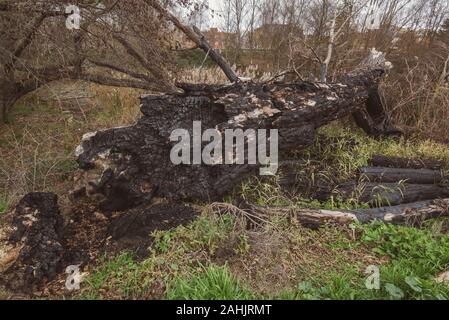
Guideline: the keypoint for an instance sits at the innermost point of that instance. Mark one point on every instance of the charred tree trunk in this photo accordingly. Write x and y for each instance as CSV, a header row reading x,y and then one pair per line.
x,y
417,176
31,249
397,162
129,165
391,194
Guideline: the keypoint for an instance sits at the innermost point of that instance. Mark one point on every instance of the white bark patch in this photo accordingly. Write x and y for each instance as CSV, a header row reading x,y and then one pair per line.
x,y
270,111
88,136
104,154
240,118
79,151
323,86
255,113
310,103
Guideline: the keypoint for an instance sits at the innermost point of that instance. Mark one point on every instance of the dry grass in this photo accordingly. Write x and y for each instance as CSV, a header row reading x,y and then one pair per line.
x,y
216,76
37,147
418,103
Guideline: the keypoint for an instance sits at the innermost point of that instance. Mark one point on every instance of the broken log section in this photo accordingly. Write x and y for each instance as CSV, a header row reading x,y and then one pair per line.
x,y
416,176
410,214
36,246
406,163
31,246
391,194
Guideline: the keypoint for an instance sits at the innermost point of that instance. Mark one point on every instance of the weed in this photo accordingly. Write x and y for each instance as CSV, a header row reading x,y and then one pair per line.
x,y
118,277
208,283
3,204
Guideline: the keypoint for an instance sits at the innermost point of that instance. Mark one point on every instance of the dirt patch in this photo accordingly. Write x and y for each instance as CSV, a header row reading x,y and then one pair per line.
x,y
132,229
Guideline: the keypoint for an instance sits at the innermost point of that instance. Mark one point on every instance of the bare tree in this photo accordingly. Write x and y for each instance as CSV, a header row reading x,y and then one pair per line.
x,y
126,37
253,16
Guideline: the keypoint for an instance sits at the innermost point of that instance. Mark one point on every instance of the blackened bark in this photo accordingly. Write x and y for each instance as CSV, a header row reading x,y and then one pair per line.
x,y
31,248
417,176
397,162
391,194
130,165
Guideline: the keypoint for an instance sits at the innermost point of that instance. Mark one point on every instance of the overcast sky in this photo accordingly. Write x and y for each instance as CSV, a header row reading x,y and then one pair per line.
x,y
215,20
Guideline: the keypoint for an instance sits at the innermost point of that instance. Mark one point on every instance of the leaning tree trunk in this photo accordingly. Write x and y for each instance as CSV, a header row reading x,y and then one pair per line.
x,y
129,165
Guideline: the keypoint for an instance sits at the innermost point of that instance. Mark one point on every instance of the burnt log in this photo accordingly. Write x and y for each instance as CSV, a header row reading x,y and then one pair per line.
x,y
406,163
391,194
127,166
415,176
409,214
31,250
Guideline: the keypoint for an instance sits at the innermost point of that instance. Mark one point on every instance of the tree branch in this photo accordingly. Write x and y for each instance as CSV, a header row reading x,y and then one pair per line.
x,y
198,39
120,69
124,83
26,39
157,72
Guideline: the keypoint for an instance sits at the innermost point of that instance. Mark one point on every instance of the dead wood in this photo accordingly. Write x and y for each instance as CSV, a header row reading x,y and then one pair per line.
x,y
390,194
410,214
129,165
415,176
398,162
31,249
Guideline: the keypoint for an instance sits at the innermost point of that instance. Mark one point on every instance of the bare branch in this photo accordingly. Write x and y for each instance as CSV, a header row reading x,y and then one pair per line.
x,y
198,39
120,69
156,71
124,83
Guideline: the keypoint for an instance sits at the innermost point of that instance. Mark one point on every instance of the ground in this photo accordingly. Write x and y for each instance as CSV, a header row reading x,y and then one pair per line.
x,y
220,256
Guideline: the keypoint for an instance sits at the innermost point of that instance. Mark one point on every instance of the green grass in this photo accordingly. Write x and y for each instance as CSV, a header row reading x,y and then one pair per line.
x,y
215,257
208,283
333,159
417,256
119,277
414,258
3,204
184,263
175,254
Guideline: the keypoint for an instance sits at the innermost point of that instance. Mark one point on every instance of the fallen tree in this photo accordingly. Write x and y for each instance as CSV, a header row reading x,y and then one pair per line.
x,y
409,214
129,165
405,163
417,176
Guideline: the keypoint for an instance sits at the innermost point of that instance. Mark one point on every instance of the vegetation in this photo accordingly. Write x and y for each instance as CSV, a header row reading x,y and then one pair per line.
x,y
280,262
50,102
216,256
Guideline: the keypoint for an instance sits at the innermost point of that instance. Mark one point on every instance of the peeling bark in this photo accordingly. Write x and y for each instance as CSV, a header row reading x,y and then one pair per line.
x,y
127,166
406,163
31,248
390,194
417,176
410,214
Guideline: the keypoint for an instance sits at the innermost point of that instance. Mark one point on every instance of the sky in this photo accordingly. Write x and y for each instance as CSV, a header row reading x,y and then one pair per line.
x,y
215,20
